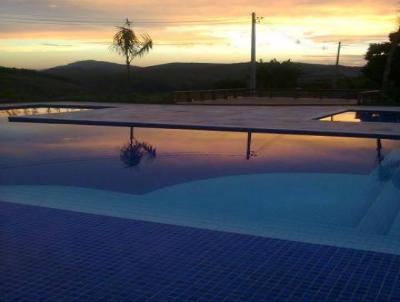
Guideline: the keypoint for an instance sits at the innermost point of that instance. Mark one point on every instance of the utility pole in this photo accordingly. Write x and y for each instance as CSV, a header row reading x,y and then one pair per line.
x,y
337,65
338,53
253,84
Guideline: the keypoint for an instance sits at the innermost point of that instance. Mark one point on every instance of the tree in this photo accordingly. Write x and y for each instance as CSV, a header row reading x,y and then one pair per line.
x,y
128,44
383,62
229,84
394,46
277,75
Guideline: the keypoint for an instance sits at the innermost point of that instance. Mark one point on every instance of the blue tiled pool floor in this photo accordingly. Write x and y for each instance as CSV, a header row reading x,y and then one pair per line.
x,y
56,255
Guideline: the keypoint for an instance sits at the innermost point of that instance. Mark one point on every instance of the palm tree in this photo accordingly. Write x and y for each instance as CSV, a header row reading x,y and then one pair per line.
x,y
128,44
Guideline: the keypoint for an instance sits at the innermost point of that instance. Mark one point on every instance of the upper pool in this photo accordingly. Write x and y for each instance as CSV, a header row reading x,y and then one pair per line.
x,y
357,116
37,109
329,190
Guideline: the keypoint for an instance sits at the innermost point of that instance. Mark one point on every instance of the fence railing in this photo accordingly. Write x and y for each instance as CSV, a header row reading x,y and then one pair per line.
x,y
370,96
207,95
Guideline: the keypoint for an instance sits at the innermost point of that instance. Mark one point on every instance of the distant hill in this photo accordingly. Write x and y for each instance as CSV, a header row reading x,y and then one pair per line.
x,y
318,74
179,76
313,71
89,66
23,84
104,81
166,77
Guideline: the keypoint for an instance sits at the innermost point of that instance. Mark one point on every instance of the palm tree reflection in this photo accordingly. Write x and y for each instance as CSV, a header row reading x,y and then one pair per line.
x,y
134,152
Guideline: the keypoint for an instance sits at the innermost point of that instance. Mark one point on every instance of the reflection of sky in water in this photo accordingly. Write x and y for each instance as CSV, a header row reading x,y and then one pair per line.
x,y
37,111
89,156
342,117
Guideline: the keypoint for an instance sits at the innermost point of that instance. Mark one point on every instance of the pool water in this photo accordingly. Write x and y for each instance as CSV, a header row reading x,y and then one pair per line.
x,y
364,116
37,110
335,191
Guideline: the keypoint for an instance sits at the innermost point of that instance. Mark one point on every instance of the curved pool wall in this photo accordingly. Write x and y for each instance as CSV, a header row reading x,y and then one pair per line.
x,y
334,191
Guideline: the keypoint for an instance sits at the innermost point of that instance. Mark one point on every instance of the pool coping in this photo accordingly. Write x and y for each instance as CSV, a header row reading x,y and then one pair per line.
x,y
278,120
203,127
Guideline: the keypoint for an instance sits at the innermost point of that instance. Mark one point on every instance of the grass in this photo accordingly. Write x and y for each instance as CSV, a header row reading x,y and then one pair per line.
x,y
19,85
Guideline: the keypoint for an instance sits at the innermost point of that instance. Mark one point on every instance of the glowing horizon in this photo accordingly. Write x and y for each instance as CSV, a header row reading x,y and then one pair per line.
x,y
56,32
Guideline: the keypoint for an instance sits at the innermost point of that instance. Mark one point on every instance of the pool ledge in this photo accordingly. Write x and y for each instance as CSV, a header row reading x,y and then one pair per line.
x,y
281,120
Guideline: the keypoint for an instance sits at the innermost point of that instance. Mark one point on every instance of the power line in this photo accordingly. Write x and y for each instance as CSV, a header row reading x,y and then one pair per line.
x,y
115,19
64,21
41,19
326,45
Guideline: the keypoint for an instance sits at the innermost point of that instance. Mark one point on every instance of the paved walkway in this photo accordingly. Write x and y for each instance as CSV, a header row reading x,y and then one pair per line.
x,y
275,101
274,119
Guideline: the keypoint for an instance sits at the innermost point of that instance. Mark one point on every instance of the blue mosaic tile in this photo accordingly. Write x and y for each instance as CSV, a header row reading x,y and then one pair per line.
x,y
55,255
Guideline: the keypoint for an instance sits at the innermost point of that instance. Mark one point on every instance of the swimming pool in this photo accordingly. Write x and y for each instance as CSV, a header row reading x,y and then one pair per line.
x,y
342,192
357,116
38,109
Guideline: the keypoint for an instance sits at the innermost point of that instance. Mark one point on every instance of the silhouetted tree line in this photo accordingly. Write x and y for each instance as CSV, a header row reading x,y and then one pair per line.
x,y
229,84
277,75
383,64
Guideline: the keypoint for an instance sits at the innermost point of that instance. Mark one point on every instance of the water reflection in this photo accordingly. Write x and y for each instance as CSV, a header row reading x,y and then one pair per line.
x,y
37,111
97,157
134,152
342,117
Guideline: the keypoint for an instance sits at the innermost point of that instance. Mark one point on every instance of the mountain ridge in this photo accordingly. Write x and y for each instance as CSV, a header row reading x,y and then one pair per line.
x,y
180,76
100,80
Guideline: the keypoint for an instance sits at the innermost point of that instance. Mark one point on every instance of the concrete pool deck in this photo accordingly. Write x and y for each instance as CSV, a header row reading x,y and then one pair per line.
x,y
274,119
275,101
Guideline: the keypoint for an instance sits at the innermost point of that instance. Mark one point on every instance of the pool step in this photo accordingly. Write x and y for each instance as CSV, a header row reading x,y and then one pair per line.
x,y
395,227
382,213
372,193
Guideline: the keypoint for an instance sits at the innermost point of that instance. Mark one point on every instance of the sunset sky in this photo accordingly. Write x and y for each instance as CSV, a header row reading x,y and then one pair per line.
x,y
44,33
